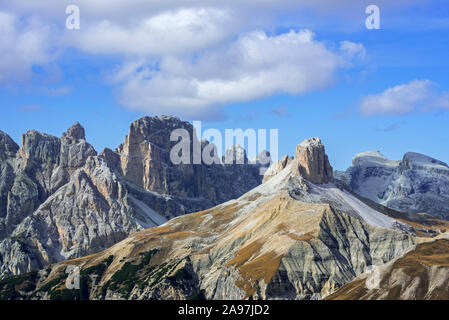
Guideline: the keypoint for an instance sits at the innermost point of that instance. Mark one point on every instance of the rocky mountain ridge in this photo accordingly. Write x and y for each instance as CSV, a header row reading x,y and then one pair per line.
x,y
416,184
60,200
288,238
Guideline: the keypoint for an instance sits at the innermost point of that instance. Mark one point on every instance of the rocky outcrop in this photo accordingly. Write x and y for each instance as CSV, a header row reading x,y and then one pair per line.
x,y
415,184
419,274
145,157
8,148
30,174
276,167
313,161
145,162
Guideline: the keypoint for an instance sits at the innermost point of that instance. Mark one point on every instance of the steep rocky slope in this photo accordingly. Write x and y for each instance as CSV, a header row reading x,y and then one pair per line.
x,y
288,238
417,183
60,200
422,273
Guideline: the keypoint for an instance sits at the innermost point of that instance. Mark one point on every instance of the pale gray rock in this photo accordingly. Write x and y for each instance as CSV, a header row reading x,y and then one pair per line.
x,y
8,148
59,200
415,184
276,167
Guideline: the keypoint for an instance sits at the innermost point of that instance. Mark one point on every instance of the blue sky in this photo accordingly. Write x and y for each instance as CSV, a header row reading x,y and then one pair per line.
x,y
384,90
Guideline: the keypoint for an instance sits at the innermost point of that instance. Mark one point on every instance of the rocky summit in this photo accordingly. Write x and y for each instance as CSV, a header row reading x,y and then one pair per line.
x,y
60,200
313,161
295,236
417,183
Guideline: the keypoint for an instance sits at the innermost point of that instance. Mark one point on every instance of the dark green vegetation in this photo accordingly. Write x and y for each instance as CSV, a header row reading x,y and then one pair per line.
x,y
88,278
140,273
124,280
14,288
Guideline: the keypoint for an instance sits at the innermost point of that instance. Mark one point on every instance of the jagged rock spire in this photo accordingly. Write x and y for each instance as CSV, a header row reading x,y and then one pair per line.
x,y
7,145
76,131
313,161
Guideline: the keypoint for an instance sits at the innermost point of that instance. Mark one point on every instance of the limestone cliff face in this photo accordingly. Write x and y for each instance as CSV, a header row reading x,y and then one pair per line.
x,y
313,161
60,200
145,157
42,164
145,162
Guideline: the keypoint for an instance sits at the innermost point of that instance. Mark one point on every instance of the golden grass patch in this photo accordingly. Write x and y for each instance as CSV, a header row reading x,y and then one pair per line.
x,y
304,237
244,254
263,267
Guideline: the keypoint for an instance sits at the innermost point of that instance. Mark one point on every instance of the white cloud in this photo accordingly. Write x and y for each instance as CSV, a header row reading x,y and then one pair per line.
x,y
415,96
23,44
172,32
352,50
183,57
256,65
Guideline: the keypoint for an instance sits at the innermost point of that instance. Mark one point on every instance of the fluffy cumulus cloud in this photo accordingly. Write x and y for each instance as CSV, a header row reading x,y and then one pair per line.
x,y
24,43
415,96
255,65
180,31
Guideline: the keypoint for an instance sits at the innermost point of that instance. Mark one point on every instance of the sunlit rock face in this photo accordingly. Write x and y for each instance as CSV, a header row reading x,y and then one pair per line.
x,y
313,161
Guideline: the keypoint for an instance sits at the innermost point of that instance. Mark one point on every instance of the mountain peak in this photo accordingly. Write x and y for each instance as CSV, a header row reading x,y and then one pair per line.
x,y
76,131
373,159
422,159
7,145
313,161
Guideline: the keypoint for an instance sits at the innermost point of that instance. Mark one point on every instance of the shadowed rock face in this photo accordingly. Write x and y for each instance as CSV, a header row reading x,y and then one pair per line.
x,y
313,161
8,148
75,132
